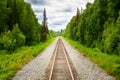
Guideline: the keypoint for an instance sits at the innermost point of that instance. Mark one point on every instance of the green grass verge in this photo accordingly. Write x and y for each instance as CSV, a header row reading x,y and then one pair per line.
x,y
11,63
110,63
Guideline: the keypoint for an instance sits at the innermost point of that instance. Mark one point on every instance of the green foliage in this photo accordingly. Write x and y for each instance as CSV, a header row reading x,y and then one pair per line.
x,y
16,29
52,34
18,36
6,40
111,38
117,72
4,16
97,26
12,39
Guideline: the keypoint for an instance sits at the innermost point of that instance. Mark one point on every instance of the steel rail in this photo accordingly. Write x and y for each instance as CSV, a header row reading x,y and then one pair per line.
x,y
51,72
65,53
53,64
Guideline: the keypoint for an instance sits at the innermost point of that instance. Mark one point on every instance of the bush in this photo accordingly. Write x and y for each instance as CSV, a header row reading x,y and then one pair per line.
x,y
18,36
11,40
6,40
111,40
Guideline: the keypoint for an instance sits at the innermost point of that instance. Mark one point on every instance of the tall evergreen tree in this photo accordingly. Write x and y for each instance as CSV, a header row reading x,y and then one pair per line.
x,y
45,30
77,15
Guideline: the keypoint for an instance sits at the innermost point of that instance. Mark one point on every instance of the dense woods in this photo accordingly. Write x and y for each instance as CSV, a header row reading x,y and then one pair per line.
x,y
19,25
97,26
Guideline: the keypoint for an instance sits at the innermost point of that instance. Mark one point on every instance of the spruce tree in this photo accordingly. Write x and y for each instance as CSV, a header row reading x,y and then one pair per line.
x,y
45,30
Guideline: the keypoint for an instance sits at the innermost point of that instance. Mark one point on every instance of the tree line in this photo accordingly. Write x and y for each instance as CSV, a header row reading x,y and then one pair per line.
x,y
19,25
97,26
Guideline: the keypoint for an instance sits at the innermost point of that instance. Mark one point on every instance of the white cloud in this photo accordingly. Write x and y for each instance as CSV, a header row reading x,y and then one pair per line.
x,y
59,12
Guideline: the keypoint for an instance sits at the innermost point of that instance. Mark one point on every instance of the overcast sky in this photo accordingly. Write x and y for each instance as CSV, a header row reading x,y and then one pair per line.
x,y
59,12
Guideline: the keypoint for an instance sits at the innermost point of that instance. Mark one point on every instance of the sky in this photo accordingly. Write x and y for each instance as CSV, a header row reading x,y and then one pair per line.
x,y
59,12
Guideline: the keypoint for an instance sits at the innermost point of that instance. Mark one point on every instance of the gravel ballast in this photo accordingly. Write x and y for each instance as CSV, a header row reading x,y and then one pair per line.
x,y
85,68
35,70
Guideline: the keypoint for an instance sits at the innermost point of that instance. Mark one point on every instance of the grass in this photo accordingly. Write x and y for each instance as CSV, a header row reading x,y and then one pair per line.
x,y
110,63
11,63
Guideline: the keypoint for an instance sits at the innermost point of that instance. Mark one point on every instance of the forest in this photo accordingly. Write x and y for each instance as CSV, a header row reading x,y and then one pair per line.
x,y
97,26
19,25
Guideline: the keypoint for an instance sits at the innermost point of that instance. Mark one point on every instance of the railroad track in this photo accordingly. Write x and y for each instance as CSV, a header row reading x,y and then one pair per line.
x,y
60,67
